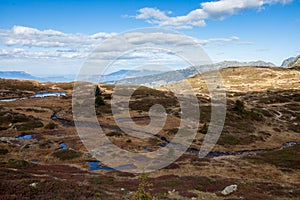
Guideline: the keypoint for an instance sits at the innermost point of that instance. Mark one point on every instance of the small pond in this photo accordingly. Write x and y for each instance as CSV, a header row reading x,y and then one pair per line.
x,y
94,165
37,95
9,100
48,94
25,137
63,146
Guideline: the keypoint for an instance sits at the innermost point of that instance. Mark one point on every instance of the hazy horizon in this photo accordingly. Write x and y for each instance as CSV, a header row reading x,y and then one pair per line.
x,y
42,39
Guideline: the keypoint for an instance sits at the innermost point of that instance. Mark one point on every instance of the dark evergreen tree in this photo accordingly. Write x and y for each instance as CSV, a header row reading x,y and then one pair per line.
x,y
98,98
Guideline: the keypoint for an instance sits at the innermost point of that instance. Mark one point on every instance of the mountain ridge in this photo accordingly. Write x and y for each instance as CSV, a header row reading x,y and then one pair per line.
x,y
17,75
177,75
144,76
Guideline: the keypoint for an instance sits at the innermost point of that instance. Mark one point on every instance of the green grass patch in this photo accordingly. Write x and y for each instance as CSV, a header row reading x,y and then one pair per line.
x,y
46,144
172,183
95,181
51,126
19,163
284,158
29,125
67,154
227,139
295,128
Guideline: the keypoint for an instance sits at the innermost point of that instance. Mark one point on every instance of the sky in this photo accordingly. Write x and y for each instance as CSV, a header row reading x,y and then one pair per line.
x,y
46,38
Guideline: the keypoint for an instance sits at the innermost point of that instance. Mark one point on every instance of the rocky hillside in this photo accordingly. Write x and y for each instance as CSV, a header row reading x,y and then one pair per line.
x,y
250,79
292,62
177,75
258,151
296,63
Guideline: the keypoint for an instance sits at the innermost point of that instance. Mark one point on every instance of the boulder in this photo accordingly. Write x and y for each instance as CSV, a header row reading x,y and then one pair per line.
x,y
229,189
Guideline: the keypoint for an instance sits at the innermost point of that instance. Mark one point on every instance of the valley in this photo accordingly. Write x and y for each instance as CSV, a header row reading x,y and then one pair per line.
x,y
44,157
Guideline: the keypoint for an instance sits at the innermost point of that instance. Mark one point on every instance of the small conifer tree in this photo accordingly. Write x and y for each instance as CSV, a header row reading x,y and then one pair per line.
x,y
98,98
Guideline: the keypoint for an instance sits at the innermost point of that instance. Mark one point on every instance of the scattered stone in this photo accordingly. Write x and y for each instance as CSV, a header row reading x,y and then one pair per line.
x,y
229,189
172,192
33,185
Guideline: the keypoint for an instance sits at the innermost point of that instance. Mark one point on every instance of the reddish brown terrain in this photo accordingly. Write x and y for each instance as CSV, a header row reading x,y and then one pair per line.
x,y
263,113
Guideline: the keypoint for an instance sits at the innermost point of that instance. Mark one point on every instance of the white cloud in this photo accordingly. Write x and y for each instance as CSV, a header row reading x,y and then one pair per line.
x,y
21,30
25,42
23,46
31,37
246,43
219,41
20,53
208,10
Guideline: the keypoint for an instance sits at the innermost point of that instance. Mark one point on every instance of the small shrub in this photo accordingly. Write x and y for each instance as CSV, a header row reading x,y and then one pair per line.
x,y
172,183
51,126
250,139
19,163
254,115
228,139
95,181
141,193
128,141
114,133
204,129
239,106
46,144
98,98
29,125
99,101
67,154
98,196
3,151
19,118
295,128
284,158
154,141
172,131
110,179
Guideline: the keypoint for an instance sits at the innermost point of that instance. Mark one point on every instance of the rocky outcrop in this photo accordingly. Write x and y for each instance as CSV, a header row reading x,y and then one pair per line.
x,y
293,62
296,63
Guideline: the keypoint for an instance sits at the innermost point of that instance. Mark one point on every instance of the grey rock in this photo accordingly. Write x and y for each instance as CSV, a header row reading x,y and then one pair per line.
x,y
229,189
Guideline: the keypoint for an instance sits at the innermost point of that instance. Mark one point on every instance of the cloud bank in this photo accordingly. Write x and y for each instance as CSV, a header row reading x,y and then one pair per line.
x,y
208,10
30,43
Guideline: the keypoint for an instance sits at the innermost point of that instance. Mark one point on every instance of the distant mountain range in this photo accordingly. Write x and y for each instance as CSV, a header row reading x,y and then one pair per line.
x,y
17,75
26,76
152,78
177,75
115,76
125,74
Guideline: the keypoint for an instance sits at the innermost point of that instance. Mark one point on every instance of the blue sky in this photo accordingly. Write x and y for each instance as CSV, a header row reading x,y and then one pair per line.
x,y
54,37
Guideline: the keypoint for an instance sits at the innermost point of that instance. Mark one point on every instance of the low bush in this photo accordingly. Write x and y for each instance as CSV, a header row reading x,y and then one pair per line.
x,y
19,163
284,158
46,144
67,154
114,133
141,193
29,125
51,126
228,139
3,151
